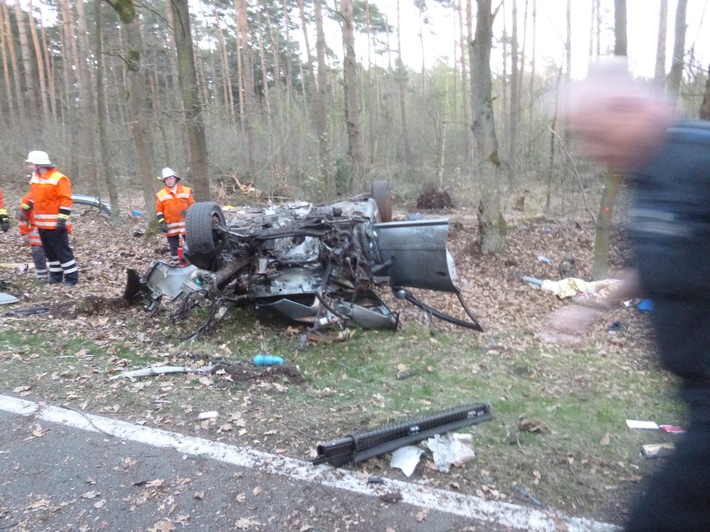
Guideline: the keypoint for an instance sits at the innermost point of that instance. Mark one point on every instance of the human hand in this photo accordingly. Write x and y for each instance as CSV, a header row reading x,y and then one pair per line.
x,y
163,227
61,223
4,224
22,215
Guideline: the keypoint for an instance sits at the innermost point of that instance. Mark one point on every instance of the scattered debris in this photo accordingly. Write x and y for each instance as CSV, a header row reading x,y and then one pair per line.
x,y
406,458
212,414
375,480
618,326
7,299
672,429
657,450
642,425
451,450
645,305
363,445
160,370
572,286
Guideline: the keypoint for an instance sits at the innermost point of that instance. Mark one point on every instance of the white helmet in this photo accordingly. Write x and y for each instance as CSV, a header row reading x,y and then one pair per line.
x,y
168,172
40,158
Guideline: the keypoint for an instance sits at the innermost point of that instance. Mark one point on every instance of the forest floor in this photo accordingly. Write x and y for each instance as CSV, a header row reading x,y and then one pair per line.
x,y
558,438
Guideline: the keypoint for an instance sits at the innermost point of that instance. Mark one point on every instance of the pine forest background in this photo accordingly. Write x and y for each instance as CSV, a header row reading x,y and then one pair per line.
x,y
264,94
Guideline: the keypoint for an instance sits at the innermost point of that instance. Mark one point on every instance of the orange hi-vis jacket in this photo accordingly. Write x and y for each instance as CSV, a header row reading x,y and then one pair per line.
x,y
172,206
28,228
3,210
49,198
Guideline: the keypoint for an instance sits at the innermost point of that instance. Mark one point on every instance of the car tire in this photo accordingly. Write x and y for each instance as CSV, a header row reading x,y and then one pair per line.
x,y
382,194
204,240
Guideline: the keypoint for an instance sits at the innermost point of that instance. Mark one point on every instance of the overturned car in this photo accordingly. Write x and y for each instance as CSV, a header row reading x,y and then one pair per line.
x,y
320,265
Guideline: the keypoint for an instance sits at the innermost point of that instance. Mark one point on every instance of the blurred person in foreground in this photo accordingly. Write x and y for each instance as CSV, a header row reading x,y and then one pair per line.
x,y
633,131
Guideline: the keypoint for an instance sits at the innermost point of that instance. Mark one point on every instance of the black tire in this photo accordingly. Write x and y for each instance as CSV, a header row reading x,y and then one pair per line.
x,y
382,194
202,234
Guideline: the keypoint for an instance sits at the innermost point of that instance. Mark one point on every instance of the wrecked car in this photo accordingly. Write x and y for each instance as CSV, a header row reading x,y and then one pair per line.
x,y
316,264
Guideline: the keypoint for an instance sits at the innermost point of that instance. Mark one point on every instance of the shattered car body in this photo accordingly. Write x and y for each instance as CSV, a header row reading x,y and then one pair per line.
x,y
319,265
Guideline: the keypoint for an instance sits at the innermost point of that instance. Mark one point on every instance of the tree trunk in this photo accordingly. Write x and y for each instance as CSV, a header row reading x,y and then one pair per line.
x,y
246,83
402,93
514,97
676,74
41,66
620,40
29,87
14,68
8,91
352,98
705,106
491,220
102,121
321,106
88,163
192,107
137,108
660,70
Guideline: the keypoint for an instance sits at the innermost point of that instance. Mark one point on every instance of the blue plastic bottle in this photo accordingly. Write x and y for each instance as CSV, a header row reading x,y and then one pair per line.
x,y
267,360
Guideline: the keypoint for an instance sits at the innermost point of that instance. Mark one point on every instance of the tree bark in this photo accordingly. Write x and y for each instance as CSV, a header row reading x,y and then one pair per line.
x,y
402,93
41,67
321,105
514,97
490,216
102,121
705,106
620,39
246,82
660,70
352,98
192,106
676,74
137,107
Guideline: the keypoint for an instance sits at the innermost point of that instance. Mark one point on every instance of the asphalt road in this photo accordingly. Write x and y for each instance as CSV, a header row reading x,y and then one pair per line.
x,y
62,470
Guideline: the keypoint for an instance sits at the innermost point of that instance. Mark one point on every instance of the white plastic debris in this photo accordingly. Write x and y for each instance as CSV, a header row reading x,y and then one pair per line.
x,y
208,415
452,449
406,458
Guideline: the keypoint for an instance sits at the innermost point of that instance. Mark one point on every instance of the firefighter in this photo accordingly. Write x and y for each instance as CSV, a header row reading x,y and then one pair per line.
x,y
171,205
49,201
28,230
4,220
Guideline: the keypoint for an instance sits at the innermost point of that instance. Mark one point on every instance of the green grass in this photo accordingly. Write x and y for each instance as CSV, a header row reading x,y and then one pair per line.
x,y
579,398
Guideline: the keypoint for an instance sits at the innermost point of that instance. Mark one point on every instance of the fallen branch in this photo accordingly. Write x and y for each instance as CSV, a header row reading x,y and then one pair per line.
x,y
160,370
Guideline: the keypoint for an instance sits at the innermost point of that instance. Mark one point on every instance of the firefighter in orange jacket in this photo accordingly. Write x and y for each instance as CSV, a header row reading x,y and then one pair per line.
x,y
50,202
28,230
4,220
171,205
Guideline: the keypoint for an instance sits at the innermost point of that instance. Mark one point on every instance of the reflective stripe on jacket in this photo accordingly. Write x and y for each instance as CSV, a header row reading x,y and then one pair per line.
x,y
172,206
50,196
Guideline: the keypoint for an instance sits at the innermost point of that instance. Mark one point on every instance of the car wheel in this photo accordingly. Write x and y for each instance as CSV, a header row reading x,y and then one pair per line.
x,y
382,194
204,239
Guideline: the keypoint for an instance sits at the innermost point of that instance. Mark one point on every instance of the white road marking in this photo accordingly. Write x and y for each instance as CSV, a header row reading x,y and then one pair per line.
x,y
501,513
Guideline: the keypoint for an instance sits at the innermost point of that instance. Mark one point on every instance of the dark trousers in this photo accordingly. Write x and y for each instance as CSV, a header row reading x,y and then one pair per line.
x,y
174,244
60,257
677,497
40,261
